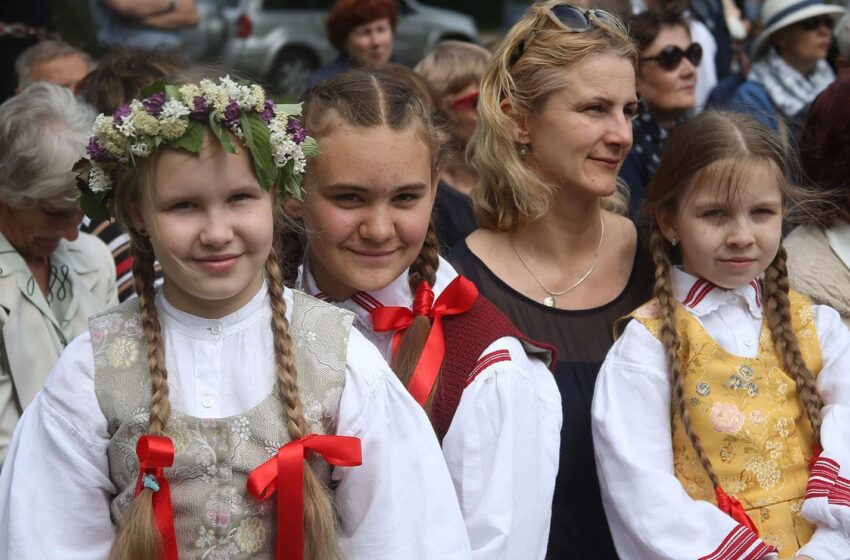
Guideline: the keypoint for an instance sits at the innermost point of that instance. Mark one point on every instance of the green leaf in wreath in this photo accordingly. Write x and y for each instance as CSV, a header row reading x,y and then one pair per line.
x,y
259,144
92,206
310,147
156,87
288,109
222,134
192,139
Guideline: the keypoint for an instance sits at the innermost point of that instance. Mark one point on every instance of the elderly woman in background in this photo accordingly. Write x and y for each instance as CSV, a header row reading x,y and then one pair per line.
x,y
666,81
819,250
790,67
362,33
453,70
554,126
52,277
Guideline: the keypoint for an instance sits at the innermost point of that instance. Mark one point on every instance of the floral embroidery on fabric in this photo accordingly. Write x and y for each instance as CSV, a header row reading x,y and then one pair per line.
x,y
703,389
743,379
766,472
123,352
726,418
251,535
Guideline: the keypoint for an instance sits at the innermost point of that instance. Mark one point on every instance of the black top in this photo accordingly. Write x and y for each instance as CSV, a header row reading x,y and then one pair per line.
x,y
582,339
453,216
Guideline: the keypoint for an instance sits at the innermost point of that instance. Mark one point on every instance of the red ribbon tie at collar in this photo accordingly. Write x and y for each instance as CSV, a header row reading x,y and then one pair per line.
x,y
457,298
284,474
734,509
155,453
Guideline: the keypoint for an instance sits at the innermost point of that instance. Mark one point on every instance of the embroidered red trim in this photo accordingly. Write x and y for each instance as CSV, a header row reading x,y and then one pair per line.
x,y
740,544
486,361
825,482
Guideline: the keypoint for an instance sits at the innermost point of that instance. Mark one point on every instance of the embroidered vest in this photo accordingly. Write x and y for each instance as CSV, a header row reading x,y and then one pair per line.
x,y
750,422
214,517
467,336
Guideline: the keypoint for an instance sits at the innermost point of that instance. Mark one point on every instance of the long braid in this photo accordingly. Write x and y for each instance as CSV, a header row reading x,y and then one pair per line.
x,y
139,538
663,292
778,313
423,269
319,518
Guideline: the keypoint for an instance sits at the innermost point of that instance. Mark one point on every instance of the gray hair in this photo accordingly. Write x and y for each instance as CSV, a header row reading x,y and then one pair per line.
x,y
43,132
42,52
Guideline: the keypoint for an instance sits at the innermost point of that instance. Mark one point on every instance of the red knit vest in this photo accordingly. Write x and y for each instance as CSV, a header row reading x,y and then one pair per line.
x,y
467,336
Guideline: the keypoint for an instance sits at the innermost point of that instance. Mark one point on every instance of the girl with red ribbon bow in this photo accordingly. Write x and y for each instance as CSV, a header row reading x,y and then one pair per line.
x,y
372,250
181,413
711,409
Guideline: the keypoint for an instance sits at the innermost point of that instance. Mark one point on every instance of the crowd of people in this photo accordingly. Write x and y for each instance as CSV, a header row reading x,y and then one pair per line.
x,y
583,294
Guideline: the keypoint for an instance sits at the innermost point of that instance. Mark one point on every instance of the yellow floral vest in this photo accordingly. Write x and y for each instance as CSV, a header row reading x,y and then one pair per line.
x,y
749,421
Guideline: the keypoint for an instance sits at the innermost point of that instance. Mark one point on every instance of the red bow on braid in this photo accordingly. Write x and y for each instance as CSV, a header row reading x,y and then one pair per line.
x,y
284,474
457,298
734,509
155,453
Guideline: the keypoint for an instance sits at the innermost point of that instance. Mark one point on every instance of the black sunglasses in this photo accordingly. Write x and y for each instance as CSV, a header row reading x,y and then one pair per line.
x,y
671,56
572,19
816,22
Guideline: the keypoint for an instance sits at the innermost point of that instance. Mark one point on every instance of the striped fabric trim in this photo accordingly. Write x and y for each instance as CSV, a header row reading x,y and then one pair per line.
x,y
740,544
699,290
366,301
840,495
486,361
322,296
822,478
758,290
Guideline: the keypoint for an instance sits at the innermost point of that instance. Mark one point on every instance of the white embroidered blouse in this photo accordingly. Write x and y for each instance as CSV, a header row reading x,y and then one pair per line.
x,y
502,446
650,515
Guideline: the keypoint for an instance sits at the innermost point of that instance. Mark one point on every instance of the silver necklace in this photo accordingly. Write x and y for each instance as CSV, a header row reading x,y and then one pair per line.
x,y
549,300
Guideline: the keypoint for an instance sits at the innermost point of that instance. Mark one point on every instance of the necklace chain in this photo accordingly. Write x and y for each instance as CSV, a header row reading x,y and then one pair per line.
x,y
550,299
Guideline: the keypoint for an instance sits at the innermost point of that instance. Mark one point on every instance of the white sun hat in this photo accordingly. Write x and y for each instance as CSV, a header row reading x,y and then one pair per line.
x,y
778,14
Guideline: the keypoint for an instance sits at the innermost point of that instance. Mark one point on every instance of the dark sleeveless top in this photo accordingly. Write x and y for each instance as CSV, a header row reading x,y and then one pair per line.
x,y
582,339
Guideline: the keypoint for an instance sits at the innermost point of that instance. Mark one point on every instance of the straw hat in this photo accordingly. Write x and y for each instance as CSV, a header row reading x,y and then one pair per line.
x,y
778,14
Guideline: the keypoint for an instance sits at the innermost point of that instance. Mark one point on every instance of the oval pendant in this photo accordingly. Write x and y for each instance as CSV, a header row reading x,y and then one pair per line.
x,y
549,301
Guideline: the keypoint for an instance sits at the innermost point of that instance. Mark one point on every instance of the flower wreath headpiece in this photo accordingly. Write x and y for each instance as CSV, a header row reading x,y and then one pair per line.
x,y
174,116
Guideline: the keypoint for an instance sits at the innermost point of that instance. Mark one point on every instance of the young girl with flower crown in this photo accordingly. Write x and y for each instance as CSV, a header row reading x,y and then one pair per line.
x,y
721,417
372,250
180,413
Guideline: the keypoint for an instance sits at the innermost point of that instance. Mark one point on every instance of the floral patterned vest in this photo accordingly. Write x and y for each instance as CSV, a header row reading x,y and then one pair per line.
x,y
750,423
214,516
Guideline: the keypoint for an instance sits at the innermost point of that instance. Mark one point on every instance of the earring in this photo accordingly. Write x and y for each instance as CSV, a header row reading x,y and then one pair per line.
x,y
523,150
674,241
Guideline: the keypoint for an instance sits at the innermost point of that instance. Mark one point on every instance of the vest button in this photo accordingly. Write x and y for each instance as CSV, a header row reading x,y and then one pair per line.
x,y
207,401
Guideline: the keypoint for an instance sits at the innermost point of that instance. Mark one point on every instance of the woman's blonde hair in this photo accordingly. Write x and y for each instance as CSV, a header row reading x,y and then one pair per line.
x,y
509,193
375,98
452,66
718,148
139,538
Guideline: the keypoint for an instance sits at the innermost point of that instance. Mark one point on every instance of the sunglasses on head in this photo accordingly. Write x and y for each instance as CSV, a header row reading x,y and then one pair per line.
x,y
671,56
572,19
816,22
466,102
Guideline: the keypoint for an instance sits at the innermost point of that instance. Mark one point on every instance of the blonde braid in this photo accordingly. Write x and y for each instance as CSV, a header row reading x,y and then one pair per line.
x,y
319,518
663,292
778,314
139,538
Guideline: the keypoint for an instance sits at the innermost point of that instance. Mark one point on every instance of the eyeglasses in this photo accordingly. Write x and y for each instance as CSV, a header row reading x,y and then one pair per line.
x,y
816,22
571,19
671,56
466,102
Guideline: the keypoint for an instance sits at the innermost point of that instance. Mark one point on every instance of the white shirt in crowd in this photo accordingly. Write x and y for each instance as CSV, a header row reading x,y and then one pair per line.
x,y
55,487
633,444
503,443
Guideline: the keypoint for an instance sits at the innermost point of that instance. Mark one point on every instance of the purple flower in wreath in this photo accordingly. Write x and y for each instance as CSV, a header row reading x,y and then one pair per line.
x,y
96,152
154,103
199,108
231,114
268,111
121,113
296,131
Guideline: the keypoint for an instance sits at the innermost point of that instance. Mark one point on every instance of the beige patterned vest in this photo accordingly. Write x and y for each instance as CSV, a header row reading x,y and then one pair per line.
x,y
214,517
750,422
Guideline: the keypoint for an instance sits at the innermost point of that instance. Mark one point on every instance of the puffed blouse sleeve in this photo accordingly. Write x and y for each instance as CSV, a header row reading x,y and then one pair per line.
x,y
827,503
400,503
650,515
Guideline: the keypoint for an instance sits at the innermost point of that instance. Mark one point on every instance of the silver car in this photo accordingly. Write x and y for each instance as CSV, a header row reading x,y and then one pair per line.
x,y
284,41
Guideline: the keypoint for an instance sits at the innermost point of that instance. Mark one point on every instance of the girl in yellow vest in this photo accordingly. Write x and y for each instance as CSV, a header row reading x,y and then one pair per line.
x,y
182,423
721,417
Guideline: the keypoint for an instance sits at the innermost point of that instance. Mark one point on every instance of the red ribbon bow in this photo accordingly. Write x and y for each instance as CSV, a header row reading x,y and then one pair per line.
x,y
816,451
734,509
457,298
284,474
155,453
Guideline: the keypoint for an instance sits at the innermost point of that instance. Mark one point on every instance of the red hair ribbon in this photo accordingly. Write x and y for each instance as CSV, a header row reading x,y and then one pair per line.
x,y
734,509
155,453
816,451
457,298
284,474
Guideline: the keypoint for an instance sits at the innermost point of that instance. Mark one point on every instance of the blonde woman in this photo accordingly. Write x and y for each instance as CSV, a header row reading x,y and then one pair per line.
x,y
554,126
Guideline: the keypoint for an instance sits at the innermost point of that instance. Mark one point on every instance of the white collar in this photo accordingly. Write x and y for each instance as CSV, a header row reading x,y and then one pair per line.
x,y
701,297
212,329
396,294
838,237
